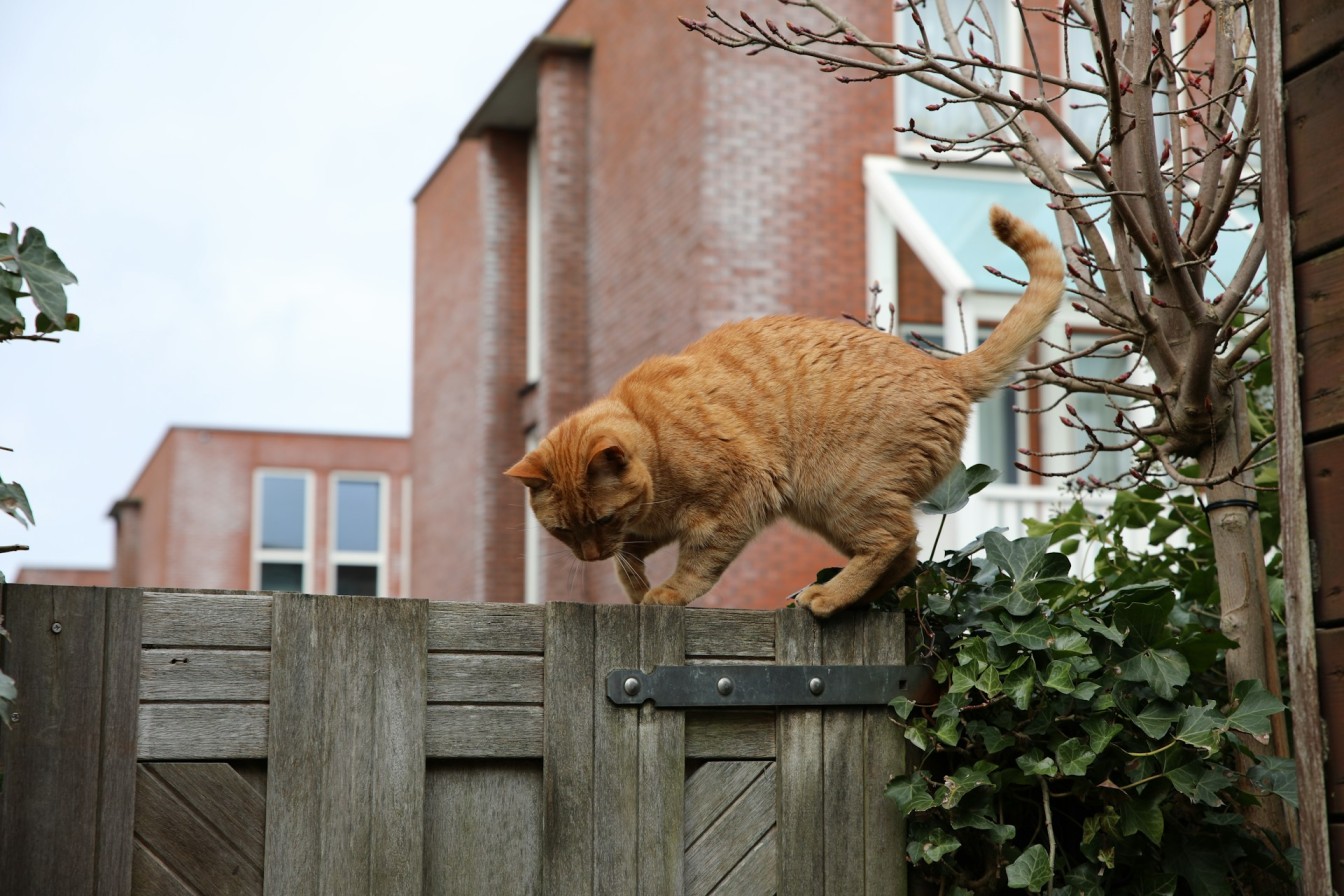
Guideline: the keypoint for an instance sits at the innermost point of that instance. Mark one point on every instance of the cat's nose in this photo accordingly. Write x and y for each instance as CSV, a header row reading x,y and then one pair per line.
x,y
591,551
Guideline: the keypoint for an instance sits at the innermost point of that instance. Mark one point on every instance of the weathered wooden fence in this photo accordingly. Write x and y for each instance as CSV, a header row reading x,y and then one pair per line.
x,y
174,743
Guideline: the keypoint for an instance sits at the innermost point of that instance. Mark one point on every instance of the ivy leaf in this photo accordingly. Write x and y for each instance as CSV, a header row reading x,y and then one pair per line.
x,y
1276,775
1142,614
1157,718
1059,677
911,793
1201,648
932,845
1020,558
1100,733
1199,782
1071,643
961,782
1254,706
9,692
14,502
954,492
991,736
1035,764
903,706
1202,727
1144,815
1086,623
1074,758
1163,670
1030,871
1019,687
11,288
46,274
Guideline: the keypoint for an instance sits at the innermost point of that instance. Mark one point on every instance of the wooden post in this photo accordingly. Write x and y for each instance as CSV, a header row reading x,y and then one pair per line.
x,y
69,757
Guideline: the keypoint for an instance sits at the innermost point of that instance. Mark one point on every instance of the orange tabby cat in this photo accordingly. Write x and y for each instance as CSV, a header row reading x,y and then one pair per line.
x,y
838,427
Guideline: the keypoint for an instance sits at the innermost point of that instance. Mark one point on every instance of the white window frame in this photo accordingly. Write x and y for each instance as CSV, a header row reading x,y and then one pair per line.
x,y
1010,43
533,319
303,555
406,536
336,557
532,550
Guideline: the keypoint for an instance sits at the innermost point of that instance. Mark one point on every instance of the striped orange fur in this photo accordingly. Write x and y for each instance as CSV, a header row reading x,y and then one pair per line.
x,y
840,428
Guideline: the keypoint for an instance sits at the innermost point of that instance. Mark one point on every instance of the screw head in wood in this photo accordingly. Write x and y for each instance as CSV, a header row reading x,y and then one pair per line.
x,y
55,628
632,686
816,686
725,686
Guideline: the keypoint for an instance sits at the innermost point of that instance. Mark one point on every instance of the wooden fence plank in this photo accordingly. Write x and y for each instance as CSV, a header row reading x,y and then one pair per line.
x,y
68,756
1311,28
1315,182
726,734
203,731
662,751
567,771
487,628
473,810
843,764
484,732
615,754
755,874
799,745
739,827
117,753
730,633
1324,462
173,619
712,788
884,756
186,844
344,672
204,674
1320,337
220,796
484,678
150,877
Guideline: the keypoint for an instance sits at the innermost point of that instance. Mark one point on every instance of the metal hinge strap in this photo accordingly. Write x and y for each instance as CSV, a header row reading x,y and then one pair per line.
x,y
737,685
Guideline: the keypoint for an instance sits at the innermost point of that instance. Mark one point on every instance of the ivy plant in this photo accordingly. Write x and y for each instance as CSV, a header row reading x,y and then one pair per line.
x,y
1082,740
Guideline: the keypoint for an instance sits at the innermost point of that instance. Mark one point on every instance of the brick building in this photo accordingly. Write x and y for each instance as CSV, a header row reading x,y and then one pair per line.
x,y
625,188
248,510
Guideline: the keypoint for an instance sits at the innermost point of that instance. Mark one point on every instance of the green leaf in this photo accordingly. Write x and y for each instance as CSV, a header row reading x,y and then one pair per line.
x,y
1144,815
1020,558
1030,871
9,692
1254,706
1142,611
1157,718
1059,677
1163,670
903,706
932,845
1100,732
911,793
1035,764
11,288
1276,775
1202,727
47,276
1201,648
1086,623
954,492
14,502
1019,687
991,736
961,782
1199,782
1074,758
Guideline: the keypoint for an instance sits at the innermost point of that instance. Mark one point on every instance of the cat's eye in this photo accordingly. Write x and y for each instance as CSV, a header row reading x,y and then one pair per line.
x,y
606,520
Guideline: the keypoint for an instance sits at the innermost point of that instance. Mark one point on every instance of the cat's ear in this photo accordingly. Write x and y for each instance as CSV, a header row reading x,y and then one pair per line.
x,y
606,456
529,472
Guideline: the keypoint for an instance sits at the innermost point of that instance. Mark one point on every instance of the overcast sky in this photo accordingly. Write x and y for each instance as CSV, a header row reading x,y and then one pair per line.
x,y
232,185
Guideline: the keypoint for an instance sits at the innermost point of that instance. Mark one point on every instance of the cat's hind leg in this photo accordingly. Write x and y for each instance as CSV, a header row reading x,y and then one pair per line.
x,y
880,556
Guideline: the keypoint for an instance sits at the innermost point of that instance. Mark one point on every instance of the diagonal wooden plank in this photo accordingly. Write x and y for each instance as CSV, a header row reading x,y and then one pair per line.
x,y
755,874
712,788
615,754
567,752
884,756
799,746
223,799
662,760
732,835
842,767
346,771
186,844
150,877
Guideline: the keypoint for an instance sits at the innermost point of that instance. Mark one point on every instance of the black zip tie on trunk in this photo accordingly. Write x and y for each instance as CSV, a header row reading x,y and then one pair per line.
x,y
1252,506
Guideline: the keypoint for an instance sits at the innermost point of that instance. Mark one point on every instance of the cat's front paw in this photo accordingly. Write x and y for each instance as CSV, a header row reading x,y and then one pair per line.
x,y
820,601
665,596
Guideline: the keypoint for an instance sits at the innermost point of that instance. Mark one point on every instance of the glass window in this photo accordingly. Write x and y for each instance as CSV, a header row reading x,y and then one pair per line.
x,y
352,579
1099,412
357,510
281,577
283,508
1088,114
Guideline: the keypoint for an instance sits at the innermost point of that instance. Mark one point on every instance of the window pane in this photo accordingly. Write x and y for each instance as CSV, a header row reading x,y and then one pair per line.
x,y
1099,411
357,580
282,577
283,505
356,515
953,119
998,435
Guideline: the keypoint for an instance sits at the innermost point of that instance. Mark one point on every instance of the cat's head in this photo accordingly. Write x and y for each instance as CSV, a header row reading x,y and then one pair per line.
x,y
588,492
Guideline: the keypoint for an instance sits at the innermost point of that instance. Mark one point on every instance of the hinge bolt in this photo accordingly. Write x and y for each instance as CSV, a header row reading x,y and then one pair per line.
x,y
725,686
56,628
816,686
632,686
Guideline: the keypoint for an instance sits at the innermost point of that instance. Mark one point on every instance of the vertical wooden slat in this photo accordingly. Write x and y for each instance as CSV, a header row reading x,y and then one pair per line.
x,y
884,756
567,752
798,742
615,755
346,740
843,764
662,760
65,818
483,828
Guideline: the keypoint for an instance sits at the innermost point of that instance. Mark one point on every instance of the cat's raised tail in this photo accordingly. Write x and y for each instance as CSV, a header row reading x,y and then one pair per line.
x,y
995,360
